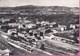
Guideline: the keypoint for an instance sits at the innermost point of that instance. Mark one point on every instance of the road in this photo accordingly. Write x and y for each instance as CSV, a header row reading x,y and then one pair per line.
x,y
62,47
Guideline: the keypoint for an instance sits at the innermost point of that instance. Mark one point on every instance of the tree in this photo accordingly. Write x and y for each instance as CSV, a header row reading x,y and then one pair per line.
x,y
0,22
6,22
12,21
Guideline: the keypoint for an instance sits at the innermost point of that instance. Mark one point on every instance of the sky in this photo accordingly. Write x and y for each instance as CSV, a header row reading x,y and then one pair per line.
x,y
13,3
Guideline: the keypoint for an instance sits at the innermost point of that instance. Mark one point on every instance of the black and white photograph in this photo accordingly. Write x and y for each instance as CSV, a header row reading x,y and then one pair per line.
x,y
39,27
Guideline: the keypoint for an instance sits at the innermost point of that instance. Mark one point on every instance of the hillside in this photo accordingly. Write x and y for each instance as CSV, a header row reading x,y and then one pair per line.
x,y
60,14
41,9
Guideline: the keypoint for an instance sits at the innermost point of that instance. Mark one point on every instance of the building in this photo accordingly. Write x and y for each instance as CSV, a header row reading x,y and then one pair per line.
x,y
73,26
12,31
62,27
44,22
4,20
55,31
30,25
13,24
5,52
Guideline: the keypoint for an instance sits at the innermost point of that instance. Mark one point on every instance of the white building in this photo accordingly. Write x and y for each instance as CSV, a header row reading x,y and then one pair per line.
x,y
72,26
62,27
49,37
5,52
44,22
3,20
30,25
55,31
12,31
13,24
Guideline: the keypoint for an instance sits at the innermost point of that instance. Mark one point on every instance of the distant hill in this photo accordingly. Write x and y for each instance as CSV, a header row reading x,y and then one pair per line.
x,y
40,9
59,14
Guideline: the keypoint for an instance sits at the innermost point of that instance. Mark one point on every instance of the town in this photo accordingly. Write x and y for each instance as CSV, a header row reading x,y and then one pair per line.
x,y
23,36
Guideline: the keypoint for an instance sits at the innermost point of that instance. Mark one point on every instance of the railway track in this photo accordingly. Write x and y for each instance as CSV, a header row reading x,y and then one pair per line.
x,y
50,49
64,49
25,47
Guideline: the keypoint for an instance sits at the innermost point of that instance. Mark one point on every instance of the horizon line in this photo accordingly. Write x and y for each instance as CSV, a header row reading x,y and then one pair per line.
x,y
40,6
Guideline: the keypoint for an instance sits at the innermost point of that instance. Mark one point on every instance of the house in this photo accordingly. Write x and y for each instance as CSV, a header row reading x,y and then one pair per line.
x,y
23,20
30,25
4,20
73,26
21,34
38,22
50,24
12,31
55,31
44,22
13,24
49,37
0,26
5,52
62,27
27,21
53,24
19,18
